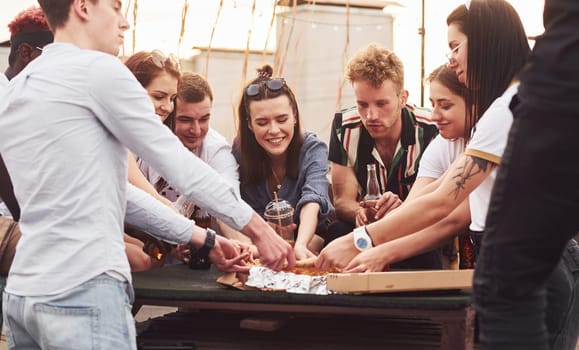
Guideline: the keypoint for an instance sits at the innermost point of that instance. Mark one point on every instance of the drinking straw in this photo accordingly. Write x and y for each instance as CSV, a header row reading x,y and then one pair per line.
x,y
278,212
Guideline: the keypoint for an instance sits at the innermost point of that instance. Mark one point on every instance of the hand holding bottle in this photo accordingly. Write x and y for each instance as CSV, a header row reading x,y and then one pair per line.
x,y
372,210
367,212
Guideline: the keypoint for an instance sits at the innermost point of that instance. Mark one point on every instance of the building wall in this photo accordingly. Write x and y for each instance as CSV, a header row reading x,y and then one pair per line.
x,y
313,65
318,51
4,51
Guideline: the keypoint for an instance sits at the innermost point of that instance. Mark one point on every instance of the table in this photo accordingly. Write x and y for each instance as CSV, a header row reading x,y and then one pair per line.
x,y
180,286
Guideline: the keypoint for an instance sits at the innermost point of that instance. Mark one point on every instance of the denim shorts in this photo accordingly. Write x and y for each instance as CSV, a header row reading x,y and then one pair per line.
x,y
93,315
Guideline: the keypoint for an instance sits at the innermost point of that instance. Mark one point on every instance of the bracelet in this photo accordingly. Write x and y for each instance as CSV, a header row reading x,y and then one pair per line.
x,y
208,244
199,258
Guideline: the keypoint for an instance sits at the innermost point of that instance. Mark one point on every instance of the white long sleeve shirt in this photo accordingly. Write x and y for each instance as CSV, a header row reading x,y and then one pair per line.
x,y
215,151
66,122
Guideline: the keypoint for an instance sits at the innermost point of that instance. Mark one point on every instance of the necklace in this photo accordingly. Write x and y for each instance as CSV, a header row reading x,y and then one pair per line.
x,y
278,186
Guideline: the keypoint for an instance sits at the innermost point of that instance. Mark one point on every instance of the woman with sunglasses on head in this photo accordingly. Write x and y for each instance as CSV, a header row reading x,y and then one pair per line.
x,y
159,75
277,160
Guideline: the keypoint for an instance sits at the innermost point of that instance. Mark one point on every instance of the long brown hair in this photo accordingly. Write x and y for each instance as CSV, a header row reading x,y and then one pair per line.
x,y
254,164
448,79
148,65
497,51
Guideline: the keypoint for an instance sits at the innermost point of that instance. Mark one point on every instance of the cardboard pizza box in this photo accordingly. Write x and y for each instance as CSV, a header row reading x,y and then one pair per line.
x,y
399,281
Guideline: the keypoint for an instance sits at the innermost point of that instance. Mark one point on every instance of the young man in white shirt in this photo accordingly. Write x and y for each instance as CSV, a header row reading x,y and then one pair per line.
x,y
191,123
67,121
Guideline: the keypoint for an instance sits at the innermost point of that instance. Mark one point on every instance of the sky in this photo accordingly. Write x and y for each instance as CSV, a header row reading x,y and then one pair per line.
x,y
159,25
159,22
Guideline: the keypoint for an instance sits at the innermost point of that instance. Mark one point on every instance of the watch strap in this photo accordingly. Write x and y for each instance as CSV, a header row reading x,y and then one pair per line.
x,y
199,258
362,239
207,245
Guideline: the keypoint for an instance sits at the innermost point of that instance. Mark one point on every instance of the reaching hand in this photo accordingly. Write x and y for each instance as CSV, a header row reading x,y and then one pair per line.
x,y
387,202
226,256
366,213
338,253
302,252
243,247
375,209
371,260
181,252
274,252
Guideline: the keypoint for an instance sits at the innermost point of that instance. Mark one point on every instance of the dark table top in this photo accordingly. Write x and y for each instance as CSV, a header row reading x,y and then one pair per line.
x,y
180,283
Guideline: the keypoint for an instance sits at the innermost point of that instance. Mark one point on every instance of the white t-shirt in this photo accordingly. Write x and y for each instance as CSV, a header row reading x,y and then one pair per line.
x,y
438,156
488,142
66,122
215,151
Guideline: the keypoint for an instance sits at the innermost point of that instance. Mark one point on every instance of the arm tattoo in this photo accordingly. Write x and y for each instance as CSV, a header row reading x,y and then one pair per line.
x,y
471,167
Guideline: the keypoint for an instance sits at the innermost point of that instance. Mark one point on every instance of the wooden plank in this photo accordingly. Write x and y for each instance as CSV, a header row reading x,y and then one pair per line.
x,y
214,330
263,324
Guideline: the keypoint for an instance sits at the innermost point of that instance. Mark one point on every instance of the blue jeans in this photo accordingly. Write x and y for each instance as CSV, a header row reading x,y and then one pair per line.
x,y
94,315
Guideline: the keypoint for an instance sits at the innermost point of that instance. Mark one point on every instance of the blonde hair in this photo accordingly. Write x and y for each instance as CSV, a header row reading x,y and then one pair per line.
x,y
376,64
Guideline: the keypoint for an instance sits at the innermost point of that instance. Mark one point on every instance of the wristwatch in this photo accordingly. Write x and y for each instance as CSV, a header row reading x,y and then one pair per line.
x,y
362,239
199,258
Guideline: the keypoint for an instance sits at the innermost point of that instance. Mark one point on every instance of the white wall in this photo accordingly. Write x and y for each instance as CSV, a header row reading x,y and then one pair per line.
x,y
4,51
318,52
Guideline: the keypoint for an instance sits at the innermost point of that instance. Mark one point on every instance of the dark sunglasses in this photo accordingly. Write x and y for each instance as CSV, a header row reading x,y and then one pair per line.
x,y
274,84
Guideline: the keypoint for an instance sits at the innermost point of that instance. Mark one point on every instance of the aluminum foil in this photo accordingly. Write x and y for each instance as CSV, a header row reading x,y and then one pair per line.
x,y
264,278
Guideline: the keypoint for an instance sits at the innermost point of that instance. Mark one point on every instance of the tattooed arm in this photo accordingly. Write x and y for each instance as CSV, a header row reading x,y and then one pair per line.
x,y
464,175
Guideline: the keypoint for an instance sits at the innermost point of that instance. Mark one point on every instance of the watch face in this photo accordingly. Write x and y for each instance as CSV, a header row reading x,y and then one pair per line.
x,y
361,243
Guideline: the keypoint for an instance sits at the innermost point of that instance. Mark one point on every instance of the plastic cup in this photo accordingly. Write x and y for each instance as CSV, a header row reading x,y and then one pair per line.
x,y
280,214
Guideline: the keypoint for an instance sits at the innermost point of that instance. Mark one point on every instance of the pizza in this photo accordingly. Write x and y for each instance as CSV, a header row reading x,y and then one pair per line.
x,y
304,267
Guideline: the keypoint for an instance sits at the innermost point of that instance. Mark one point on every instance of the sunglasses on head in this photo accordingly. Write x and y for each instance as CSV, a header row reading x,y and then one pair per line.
x,y
160,60
274,84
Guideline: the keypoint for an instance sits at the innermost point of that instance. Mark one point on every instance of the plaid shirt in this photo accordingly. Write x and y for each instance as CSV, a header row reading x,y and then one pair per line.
x,y
351,145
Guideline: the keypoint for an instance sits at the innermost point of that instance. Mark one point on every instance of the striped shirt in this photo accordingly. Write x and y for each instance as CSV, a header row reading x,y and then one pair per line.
x,y
351,145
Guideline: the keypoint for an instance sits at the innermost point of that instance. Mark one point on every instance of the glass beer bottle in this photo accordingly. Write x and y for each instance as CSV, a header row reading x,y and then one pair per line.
x,y
372,190
372,186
